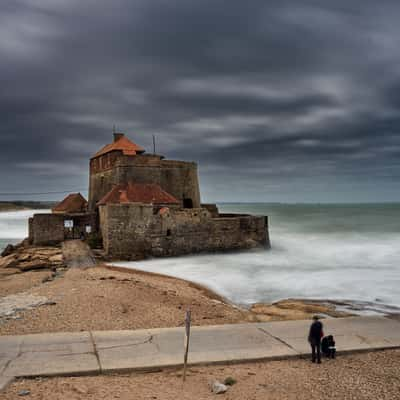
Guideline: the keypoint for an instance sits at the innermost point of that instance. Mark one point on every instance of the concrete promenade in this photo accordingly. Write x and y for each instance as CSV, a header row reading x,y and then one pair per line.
x,y
57,354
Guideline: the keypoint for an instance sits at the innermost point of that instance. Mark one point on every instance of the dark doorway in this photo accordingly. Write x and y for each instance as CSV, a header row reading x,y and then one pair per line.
x,y
187,203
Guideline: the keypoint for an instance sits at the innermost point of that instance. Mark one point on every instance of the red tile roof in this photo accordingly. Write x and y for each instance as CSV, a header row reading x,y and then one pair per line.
x,y
138,193
123,144
73,203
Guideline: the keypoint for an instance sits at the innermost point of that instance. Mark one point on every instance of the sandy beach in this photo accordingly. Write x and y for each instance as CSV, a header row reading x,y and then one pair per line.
x,y
113,298
104,299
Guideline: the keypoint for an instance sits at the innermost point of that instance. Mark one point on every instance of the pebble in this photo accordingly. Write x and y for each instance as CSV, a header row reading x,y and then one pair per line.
x,y
218,387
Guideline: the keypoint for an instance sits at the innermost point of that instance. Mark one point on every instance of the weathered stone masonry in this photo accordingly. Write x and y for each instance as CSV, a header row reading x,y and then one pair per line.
x,y
133,231
178,178
48,229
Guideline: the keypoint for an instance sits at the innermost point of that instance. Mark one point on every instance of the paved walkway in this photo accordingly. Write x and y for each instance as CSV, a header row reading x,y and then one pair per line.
x,y
77,254
82,353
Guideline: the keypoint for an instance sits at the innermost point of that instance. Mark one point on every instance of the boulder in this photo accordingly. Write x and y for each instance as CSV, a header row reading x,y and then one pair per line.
x,y
34,264
9,261
9,271
24,257
56,259
8,250
218,387
29,258
294,309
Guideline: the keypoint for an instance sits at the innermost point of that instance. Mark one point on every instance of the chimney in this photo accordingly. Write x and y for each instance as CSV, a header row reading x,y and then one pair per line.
x,y
118,136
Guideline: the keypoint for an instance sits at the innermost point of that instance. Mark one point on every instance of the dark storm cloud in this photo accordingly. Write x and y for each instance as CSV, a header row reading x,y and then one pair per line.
x,y
276,100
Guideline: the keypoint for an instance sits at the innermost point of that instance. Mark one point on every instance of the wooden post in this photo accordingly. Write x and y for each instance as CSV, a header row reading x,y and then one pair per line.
x,y
187,337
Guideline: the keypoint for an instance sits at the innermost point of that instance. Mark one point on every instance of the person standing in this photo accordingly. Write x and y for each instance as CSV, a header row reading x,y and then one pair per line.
x,y
314,338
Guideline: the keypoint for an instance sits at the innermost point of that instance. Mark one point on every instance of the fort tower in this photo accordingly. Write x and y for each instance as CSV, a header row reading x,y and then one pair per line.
x,y
122,162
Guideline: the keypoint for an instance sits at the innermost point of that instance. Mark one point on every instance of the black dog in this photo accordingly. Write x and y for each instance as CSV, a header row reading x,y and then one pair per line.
x,y
328,346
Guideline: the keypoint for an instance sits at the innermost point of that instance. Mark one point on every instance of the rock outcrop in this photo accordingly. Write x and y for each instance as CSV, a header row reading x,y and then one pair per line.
x,y
295,309
12,304
23,258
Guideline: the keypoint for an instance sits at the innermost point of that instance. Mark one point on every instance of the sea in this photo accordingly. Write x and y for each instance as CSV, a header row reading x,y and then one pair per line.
x,y
340,252
14,226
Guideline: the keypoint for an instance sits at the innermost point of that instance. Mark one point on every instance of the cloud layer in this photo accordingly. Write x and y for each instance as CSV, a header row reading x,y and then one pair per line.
x,y
276,100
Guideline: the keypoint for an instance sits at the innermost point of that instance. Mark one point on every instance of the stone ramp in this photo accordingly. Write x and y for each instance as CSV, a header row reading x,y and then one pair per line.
x,y
67,354
77,254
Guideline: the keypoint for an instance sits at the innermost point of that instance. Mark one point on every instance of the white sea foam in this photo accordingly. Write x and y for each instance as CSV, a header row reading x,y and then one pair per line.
x,y
297,266
14,224
327,252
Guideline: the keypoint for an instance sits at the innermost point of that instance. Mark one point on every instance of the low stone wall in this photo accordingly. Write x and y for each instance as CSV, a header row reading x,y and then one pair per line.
x,y
48,229
212,209
134,231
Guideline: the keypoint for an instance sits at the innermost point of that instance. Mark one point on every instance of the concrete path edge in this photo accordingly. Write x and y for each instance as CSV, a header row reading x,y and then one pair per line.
x,y
151,350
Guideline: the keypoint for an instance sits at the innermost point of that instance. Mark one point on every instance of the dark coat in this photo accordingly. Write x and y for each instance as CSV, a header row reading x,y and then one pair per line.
x,y
315,334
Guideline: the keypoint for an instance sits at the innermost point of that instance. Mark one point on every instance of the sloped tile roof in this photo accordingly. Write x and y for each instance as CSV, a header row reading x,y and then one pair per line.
x,y
73,203
123,144
138,193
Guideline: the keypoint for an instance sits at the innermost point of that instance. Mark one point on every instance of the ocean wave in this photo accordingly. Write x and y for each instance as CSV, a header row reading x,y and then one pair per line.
x,y
356,267
14,224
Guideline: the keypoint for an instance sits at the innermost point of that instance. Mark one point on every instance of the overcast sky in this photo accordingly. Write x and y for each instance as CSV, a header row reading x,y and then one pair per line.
x,y
276,100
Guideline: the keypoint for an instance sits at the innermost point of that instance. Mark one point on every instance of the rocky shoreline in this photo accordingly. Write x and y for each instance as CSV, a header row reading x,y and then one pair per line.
x,y
39,293
27,271
23,257
286,309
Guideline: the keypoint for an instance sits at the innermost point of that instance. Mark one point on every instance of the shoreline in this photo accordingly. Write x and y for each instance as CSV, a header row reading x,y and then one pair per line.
x,y
342,307
115,298
36,271
204,289
15,209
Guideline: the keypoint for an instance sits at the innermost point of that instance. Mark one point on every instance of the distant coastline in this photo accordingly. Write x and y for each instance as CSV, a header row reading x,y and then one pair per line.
x,y
8,206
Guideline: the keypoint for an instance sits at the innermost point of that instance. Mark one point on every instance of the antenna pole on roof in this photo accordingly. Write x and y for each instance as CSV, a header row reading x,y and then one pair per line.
x,y
154,144
114,128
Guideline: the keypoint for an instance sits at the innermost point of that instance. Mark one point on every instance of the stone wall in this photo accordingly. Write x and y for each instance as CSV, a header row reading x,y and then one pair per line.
x,y
81,221
48,229
136,231
124,229
178,178
212,209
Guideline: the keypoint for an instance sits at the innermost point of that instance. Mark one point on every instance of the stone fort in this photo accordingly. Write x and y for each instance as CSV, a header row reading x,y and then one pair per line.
x,y
143,205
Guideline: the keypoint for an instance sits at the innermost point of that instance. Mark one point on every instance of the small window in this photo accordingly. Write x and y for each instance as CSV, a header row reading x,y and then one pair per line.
x,y
68,223
88,229
187,203
168,232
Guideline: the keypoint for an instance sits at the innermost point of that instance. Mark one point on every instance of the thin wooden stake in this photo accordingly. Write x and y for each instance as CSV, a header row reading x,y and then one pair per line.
x,y
187,337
